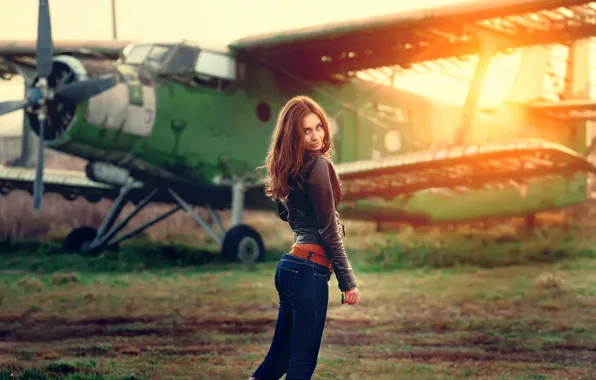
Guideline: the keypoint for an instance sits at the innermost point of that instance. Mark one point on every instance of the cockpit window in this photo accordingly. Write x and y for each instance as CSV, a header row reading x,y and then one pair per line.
x,y
217,65
185,63
150,54
158,52
181,61
213,70
156,56
137,54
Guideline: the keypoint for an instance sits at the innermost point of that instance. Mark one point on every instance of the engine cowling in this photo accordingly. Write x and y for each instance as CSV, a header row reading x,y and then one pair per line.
x,y
62,111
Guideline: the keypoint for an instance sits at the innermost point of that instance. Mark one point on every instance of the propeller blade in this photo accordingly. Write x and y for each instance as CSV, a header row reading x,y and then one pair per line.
x,y
38,184
45,48
80,91
8,107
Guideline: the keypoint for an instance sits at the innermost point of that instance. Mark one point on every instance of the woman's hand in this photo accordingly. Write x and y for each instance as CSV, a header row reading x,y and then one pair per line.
x,y
351,296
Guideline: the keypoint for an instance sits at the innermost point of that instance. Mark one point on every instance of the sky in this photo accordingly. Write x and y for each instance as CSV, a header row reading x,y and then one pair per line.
x,y
212,23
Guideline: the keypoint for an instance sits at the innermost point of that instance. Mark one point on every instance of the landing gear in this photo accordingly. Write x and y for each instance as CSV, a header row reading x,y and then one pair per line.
x,y
240,243
80,236
243,243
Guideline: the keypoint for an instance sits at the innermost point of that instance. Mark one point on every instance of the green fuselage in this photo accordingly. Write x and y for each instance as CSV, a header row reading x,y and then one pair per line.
x,y
177,128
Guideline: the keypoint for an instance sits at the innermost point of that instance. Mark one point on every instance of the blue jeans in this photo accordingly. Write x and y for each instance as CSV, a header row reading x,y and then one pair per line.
x,y
303,289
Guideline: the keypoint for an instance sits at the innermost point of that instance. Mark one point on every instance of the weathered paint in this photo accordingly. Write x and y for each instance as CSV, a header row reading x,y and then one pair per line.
x,y
199,134
128,107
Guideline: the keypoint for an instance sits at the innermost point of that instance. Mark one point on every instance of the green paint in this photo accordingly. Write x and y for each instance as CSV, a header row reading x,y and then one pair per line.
x,y
441,207
201,133
135,94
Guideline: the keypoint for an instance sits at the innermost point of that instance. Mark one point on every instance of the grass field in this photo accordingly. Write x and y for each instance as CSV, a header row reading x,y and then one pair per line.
x,y
484,302
126,317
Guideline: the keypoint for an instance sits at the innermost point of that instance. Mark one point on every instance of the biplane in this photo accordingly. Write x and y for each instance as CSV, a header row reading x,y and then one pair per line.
x,y
178,124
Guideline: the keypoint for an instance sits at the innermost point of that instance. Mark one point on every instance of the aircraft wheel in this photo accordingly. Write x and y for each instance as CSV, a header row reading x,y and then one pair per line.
x,y
73,242
242,243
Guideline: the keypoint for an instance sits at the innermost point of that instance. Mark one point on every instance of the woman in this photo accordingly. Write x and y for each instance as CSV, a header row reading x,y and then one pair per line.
x,y
307,191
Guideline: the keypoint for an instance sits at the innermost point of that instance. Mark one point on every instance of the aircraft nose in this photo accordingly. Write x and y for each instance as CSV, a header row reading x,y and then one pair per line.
x,y
35,97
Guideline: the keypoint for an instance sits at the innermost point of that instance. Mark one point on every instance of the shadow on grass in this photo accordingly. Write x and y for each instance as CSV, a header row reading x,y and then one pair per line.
x,y
46,257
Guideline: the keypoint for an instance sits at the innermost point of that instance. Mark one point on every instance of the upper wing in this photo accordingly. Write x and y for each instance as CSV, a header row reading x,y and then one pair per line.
x,y
420,35
478,166
23,51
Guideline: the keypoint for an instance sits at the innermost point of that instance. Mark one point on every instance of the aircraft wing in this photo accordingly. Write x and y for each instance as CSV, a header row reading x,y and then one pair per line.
x,y
420,35
571,109
478,166
475,167
23,51
71,184
68,183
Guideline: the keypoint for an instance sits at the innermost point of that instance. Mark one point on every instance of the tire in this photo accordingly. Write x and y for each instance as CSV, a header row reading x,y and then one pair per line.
x,y
243,244
73,242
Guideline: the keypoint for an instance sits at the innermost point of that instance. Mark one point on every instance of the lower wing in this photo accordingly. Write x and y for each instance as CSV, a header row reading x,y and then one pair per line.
x,y
68,183
71,184
474,167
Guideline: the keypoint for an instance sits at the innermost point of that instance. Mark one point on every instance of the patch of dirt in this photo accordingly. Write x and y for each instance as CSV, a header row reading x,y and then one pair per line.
x,y
352,324
357,339
160,335
86,321
441,347
253,326
541,356
59,329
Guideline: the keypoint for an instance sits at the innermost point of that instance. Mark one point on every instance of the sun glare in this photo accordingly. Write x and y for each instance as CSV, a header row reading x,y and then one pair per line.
x,y
452,86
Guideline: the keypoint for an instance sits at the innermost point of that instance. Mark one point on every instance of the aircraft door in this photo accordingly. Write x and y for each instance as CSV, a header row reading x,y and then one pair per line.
x,y
214,97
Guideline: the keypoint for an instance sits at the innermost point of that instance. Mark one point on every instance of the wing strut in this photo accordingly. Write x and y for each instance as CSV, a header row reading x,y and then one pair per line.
x,y
489,45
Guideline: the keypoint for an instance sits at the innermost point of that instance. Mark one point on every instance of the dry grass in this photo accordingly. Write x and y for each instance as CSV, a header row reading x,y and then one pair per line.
x,y
58,216
561,235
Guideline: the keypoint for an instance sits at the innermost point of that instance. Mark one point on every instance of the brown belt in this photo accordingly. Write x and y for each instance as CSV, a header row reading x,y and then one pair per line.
x,y
312,252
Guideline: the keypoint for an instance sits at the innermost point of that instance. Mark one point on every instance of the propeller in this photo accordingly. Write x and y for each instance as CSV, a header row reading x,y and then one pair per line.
x,y
41,93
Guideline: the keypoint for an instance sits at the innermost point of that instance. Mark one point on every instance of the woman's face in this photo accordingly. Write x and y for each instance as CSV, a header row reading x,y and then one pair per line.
x,y
314,133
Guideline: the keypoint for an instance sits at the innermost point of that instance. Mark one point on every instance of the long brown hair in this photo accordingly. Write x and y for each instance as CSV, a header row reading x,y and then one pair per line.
x,y
287,150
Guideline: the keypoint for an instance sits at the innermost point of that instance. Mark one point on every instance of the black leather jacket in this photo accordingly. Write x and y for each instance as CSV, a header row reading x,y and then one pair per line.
x,y
311,213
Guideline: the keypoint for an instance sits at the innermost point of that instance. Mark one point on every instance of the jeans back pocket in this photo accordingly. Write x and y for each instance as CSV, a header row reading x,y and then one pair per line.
x,y
287,279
